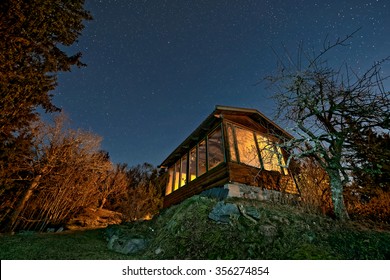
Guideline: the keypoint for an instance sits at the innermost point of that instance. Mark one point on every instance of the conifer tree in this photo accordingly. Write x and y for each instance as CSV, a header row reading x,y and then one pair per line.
x,y
33,36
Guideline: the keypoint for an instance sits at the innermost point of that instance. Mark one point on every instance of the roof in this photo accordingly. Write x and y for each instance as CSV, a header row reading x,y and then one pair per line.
x,y
214,118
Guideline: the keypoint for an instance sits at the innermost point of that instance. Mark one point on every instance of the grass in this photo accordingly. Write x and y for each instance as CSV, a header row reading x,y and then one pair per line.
x,y
185,232
74,245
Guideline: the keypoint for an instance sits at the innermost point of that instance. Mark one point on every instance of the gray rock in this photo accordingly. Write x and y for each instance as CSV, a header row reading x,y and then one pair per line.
x,y
223,212
126,246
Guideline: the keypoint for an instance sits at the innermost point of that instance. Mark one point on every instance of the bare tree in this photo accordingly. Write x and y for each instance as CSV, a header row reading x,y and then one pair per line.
x,y
144,194
65,175
67,172
327,107
114,185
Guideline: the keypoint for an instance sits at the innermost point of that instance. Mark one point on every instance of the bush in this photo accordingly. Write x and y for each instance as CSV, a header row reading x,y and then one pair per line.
x,y
375,208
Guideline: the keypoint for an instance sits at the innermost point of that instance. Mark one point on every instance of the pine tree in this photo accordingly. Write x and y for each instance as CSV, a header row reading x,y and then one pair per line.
x,y
33,36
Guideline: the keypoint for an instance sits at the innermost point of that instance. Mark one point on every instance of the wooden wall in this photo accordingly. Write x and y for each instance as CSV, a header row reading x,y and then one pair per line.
x,y
233,172
218,176
252,176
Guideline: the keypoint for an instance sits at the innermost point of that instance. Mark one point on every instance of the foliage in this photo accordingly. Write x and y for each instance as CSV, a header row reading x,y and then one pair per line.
x,y
368,196
34,34
372,161
329,107
374,207
313,184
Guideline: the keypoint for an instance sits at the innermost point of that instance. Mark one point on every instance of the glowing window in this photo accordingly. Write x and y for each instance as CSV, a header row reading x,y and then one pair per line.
x,y
247,149
168,189
177,176
268,153
192,165
215,148
281,160
183,171
202,167
232,149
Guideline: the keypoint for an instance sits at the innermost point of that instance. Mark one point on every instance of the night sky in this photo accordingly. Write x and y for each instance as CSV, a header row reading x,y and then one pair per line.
x,y
156,69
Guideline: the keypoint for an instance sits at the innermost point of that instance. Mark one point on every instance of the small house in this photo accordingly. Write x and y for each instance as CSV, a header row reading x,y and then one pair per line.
x,y
233,150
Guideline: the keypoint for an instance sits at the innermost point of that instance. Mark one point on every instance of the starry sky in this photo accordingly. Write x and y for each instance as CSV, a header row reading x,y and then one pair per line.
x,y
157,68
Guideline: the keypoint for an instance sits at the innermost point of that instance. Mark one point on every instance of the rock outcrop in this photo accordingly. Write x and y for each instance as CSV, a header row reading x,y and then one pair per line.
x,y
94,218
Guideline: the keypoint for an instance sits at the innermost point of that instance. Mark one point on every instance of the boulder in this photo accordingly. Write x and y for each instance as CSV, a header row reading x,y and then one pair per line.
x,y
223,212
125,245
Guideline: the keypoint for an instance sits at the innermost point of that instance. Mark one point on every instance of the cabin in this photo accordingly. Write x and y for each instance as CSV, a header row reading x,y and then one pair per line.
x,y
234,151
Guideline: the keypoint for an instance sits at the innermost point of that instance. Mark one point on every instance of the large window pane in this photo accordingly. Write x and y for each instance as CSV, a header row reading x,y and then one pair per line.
x,y
192,165
282,161
168,189
268,153
202,168
177,176
183,171
247,149
232,149
215,149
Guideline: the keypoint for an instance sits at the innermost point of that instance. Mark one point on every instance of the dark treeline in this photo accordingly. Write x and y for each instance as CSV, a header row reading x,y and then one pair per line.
x,y
66,172
50,172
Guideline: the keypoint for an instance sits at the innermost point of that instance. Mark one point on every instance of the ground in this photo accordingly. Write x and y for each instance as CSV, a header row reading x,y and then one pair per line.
x,y
185,231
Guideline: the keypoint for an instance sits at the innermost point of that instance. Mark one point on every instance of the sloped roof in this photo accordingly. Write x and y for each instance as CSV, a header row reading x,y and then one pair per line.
x,y
200,132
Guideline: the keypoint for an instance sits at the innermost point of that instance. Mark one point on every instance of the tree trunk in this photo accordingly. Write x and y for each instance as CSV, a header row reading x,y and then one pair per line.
x,y
13,221
336,188
103,202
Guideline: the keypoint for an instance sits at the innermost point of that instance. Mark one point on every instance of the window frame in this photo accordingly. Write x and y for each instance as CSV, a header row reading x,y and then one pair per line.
x,y
206,157
196,163
175,186
183,182
233,125
238,155
223,148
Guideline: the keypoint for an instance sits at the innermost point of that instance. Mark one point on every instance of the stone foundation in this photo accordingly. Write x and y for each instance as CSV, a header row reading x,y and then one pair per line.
x,y
250,192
